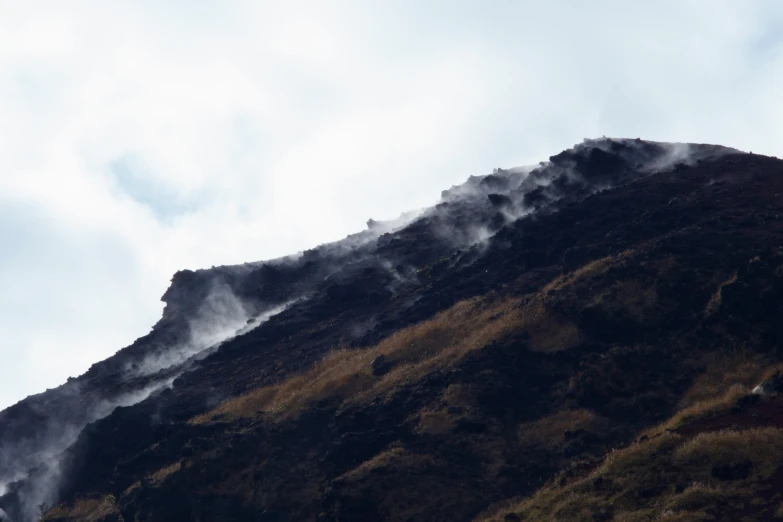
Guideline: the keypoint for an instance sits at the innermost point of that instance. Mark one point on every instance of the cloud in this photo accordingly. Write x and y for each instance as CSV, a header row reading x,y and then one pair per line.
x,y
143,138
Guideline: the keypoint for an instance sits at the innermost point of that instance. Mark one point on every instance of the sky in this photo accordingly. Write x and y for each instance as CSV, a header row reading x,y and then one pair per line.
x,y
140,138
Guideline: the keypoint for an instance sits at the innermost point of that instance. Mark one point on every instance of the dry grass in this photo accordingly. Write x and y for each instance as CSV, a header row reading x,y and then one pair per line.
x,y
85,509
625,463
695,497
434,422
390,458
667,515
705,409
459,394
577,507
344,375
130,489
624,470
389,476
714,303
739,368
550,430
638,482
763,447
715,392
636,299
165,472
592,269
548,334
338,375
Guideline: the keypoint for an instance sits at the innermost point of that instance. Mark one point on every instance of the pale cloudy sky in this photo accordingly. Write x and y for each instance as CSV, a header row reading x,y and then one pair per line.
x,y
139,138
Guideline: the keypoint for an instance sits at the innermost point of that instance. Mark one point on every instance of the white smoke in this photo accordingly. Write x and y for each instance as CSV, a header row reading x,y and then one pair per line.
x,y
218,318
510,187
47,472
221,317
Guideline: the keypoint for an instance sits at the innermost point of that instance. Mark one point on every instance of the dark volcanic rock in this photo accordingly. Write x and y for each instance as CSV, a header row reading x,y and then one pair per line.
x,y
645,257
379,365
500,200
732,471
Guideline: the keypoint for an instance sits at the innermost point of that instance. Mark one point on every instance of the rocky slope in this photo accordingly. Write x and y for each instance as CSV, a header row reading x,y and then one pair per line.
x,y
574,341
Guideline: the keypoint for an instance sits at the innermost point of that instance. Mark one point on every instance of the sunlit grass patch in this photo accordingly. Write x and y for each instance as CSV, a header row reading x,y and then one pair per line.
x,y
761,449
412,352
85,509
550,430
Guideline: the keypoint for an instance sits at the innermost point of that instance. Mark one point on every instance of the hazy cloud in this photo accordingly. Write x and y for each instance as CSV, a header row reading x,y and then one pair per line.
x,y
140,138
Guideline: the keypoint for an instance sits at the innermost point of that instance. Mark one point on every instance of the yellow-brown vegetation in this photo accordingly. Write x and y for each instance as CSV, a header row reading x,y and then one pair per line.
x,y
165,472
736,369
715,300
695,497
392,456
624,463
706,408
592,269
715,392
344,375
85,509
638,482
598,268
388,476
133,487
435,422
762,447
458,394
549,430
637,299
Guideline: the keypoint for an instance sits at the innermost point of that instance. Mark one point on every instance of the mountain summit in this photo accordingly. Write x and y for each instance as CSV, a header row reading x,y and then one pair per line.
x,y
594,338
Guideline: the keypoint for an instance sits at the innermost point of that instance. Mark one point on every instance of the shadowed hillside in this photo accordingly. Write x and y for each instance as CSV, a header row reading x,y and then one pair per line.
x,y
574,341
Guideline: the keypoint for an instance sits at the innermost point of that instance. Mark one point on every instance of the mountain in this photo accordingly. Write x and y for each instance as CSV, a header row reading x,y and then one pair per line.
x,y
579,340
